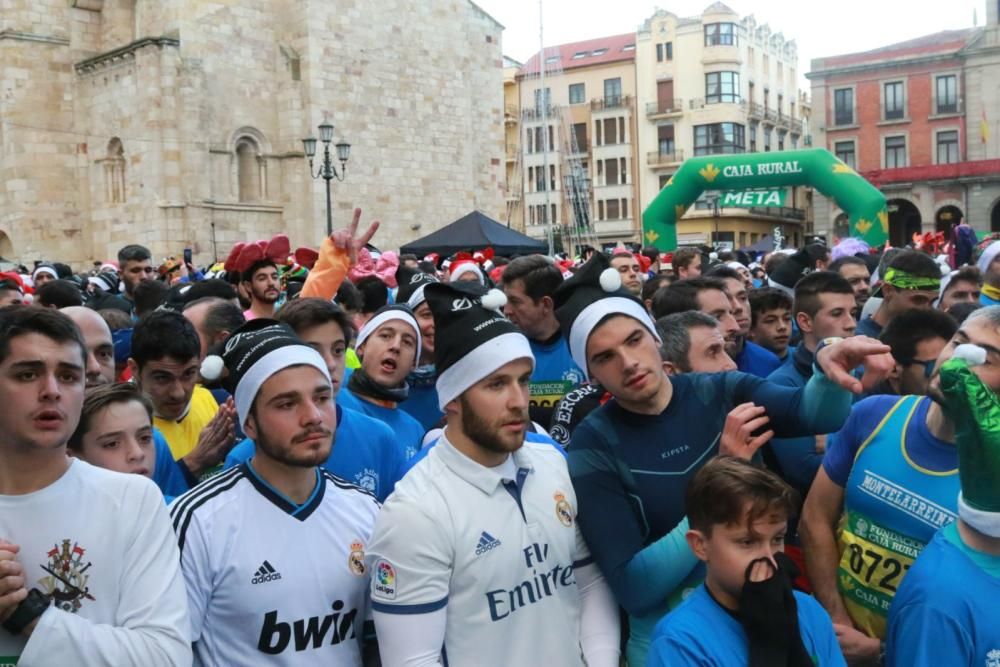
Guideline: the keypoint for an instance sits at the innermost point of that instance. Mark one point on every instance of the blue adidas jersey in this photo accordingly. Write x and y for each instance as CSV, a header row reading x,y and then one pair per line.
x,y
946,611
408,432
700,632
364,453
630,472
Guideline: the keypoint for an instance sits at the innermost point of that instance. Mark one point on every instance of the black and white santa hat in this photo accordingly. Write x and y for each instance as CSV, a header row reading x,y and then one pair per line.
x,y
472,338
387,314
252,354
586,299
411,286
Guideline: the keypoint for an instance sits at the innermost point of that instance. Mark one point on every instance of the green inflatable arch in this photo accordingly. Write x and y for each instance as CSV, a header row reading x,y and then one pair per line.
x,y
860,200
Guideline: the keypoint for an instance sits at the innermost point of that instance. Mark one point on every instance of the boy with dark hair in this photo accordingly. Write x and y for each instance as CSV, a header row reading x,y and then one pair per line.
x,y
264,288
916,338
687,263
961,286
94,547
115,430
149,295
771,320
653,285
912,280
746,612
164,363
365,451
374,295
58,294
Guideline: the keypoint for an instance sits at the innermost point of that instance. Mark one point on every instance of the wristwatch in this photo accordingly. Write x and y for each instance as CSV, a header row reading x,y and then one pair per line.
x,y
27,611
823,343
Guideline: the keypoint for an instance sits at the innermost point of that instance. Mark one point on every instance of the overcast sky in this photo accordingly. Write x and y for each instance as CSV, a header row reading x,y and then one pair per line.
x,y
819,28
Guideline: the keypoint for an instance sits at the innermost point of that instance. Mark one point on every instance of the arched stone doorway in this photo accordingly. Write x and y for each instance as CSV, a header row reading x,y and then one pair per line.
x,y
904,222
946,217
6,247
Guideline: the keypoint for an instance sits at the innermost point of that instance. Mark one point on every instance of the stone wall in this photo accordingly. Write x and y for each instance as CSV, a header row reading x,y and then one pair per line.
x,y
415,87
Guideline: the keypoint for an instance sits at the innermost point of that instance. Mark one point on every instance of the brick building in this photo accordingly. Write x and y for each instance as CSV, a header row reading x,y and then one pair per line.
x,y
178,123
910,118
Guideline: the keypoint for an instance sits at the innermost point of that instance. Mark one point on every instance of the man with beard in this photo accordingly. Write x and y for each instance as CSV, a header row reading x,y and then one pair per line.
x,y
164,363
422,403
888,481
272,550
476,558
387,344
136,264
631,459
100,371
749,356
855,271
88,567
262,284
365,451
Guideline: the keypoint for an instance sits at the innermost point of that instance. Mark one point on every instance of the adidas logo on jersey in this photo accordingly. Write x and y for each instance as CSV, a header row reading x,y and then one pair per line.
x,y
265,573
486,543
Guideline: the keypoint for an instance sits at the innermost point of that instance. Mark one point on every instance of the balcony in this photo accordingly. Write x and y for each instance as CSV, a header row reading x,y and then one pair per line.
x,y
701,102
578,150
954,107
755,110
536,113
658,110
771,116
796,126
510,113
661,159
611,102
783,212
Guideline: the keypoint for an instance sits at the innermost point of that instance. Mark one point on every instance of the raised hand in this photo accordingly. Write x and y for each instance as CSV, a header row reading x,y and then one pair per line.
x,y
348,239
215,440
738,437
839,359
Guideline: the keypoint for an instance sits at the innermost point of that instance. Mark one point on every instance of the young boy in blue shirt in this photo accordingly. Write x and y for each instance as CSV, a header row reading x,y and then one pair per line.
x,y
746,612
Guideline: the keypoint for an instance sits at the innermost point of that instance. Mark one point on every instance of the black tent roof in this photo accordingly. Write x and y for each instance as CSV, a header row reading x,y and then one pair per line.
x,y
475,231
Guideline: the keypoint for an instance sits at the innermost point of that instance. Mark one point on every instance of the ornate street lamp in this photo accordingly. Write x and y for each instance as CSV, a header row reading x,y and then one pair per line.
x,y
327,170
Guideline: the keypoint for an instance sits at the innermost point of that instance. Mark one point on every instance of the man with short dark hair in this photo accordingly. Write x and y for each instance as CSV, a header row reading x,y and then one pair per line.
x,y
653,285
855,271
529,283
88,570
164,362
148,295
262,284
771,320
135,263
749,356
961,286
58,294
11,294
628,266
692,343
687,263
912,280
214,319
916,338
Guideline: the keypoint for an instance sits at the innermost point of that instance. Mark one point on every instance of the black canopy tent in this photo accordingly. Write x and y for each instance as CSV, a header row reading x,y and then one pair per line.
x,y
475,231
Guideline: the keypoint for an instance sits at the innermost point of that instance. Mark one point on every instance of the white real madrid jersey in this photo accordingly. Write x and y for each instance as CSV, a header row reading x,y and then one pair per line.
x,y
500,555
271,582
99,544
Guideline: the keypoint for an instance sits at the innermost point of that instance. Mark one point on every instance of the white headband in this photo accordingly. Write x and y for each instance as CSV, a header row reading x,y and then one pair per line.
x,y
386,316
589,317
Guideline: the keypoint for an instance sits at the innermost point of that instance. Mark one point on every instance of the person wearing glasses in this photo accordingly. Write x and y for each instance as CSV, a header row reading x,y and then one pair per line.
x,y
916,338
888,482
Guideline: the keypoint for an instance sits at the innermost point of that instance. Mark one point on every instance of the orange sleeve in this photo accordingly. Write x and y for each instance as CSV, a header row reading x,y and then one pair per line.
x,y
328,273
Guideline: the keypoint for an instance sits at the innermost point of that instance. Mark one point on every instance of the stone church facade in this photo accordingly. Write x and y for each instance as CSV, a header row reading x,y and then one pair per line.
x,y
178,123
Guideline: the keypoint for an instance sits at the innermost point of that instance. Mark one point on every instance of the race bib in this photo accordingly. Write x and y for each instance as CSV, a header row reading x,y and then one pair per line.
x,y
873,562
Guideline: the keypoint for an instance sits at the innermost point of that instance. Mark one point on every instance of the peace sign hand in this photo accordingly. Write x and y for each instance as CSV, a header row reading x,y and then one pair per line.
x,y
347,239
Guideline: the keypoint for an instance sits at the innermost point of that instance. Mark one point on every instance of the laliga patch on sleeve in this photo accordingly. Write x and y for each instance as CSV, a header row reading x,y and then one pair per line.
x,y
384,581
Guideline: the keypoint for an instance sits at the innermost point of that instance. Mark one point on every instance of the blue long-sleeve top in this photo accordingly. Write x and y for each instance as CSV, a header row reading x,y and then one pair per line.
x,y
630,472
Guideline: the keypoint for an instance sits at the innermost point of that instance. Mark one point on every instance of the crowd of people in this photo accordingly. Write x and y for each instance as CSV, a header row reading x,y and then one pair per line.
x,y
341,456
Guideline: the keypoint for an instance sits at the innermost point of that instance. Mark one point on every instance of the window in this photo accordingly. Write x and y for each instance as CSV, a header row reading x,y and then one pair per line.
x,y
598,52
753,138
722,87
612,91
579,137
893,104
843,106
114,173
552,60
663,180
611,175
659,53
579,54
720,34
613,209
844,150
895,152
767,138
577,93
665,139
610,131
947,147
795,141
719,138
781,140
248,169
947,94
668,50
628,47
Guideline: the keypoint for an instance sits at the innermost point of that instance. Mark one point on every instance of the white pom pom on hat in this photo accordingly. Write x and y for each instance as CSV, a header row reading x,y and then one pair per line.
x,y
211,367
611,280
494,300
973,354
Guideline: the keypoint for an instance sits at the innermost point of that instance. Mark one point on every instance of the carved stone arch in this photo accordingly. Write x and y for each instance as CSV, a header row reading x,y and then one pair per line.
x,y
249,164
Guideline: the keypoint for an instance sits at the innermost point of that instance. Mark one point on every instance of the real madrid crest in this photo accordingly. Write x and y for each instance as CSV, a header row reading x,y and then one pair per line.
x,y
356,561
563,511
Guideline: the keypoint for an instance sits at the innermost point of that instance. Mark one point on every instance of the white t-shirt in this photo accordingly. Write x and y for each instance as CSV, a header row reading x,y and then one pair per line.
x,y
270,582
499,557
100,543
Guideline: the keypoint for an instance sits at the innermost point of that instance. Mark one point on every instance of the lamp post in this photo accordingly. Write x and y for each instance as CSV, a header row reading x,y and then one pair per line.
x,y
327,170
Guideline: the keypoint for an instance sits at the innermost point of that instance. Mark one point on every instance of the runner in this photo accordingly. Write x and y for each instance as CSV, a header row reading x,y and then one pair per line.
x,y
422,403
477,559
692,343
273,550
88,567
261,282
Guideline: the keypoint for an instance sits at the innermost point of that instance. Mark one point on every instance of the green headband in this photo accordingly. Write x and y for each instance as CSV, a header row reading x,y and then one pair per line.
x,y
903,280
